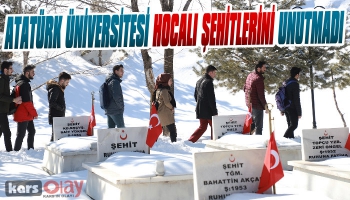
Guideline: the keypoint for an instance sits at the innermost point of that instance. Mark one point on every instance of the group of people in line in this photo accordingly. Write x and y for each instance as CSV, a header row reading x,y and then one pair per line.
x,y
254,89
204,96
26,112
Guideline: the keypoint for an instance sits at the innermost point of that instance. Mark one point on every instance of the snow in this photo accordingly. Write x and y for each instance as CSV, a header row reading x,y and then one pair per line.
x,y
26,164
136,165
258,141
73,144
341,163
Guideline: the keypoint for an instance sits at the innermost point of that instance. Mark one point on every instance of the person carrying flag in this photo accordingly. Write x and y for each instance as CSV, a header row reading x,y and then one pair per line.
x,y
167,103
254,90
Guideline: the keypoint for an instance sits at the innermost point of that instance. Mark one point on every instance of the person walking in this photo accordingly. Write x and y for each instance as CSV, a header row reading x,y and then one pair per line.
x,y
293,112
167,103
204,95
26,112
55,96
5,100
115,109
254,90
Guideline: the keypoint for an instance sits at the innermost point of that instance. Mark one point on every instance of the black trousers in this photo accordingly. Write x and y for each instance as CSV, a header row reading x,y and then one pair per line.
x,y
22,127
172,130
4,128
258,121
51,140
292,120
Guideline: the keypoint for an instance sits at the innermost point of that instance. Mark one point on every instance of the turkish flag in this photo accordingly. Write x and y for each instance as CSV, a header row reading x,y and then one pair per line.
x,y
92,121
347,145
248,121
272,170
154,129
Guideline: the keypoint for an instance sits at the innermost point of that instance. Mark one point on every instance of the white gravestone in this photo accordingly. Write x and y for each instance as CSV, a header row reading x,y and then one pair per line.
x,y
70,126
321,144
227,123
110,141
221,173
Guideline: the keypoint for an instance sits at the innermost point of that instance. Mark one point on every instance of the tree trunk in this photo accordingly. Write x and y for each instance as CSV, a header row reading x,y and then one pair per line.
x,y
187,5
147,60
169,64
167,6
25,58
100,57
335,101
147,66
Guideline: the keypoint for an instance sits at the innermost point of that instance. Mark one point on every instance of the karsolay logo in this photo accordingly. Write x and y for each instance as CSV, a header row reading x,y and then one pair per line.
x,y
23,188
68,188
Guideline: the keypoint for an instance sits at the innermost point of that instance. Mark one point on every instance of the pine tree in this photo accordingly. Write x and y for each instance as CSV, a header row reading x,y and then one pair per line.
x,y
331,64
234,64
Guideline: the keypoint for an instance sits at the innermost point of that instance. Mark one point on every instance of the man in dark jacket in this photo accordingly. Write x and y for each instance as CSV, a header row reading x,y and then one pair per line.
x,y
55,95
206,103
5,100
26,112
293,112
115,109
254,89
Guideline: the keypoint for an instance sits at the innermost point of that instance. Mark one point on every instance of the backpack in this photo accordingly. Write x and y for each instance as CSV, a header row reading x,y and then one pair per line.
x,y
104,95
13,105
282,102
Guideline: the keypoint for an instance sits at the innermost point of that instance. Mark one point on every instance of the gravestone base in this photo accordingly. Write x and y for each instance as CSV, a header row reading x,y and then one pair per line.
x,y
287,153
103,183
56,162
327,180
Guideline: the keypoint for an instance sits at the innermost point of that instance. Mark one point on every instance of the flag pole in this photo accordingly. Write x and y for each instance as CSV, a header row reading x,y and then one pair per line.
x,y
92,103
269,107
92,97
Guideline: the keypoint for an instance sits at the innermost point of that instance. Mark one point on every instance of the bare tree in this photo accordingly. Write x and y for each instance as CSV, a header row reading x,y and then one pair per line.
x,y
147,59
167,6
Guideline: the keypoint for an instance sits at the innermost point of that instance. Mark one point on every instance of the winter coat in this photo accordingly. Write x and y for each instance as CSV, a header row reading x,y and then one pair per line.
x,y
5,98
55,96
25,111
254,89
116,105
293,94
166,106
205,97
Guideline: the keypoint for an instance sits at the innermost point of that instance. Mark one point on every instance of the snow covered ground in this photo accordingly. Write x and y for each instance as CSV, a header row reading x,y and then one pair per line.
x,y
26,165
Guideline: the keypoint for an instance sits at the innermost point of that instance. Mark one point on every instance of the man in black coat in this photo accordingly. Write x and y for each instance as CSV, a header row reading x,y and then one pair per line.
x,y
55,95
293,112
206,103
5,100
115,110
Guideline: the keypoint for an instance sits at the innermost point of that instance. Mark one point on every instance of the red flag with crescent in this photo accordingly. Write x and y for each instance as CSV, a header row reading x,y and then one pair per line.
x,y
272,170
248,121
347,145
154,128
92,121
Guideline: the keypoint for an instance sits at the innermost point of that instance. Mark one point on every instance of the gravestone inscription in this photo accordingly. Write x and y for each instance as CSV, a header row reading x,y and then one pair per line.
x,y
227,123
321,144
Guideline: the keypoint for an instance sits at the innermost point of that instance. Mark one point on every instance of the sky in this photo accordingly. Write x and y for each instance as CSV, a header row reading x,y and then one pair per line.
x,y
24,164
